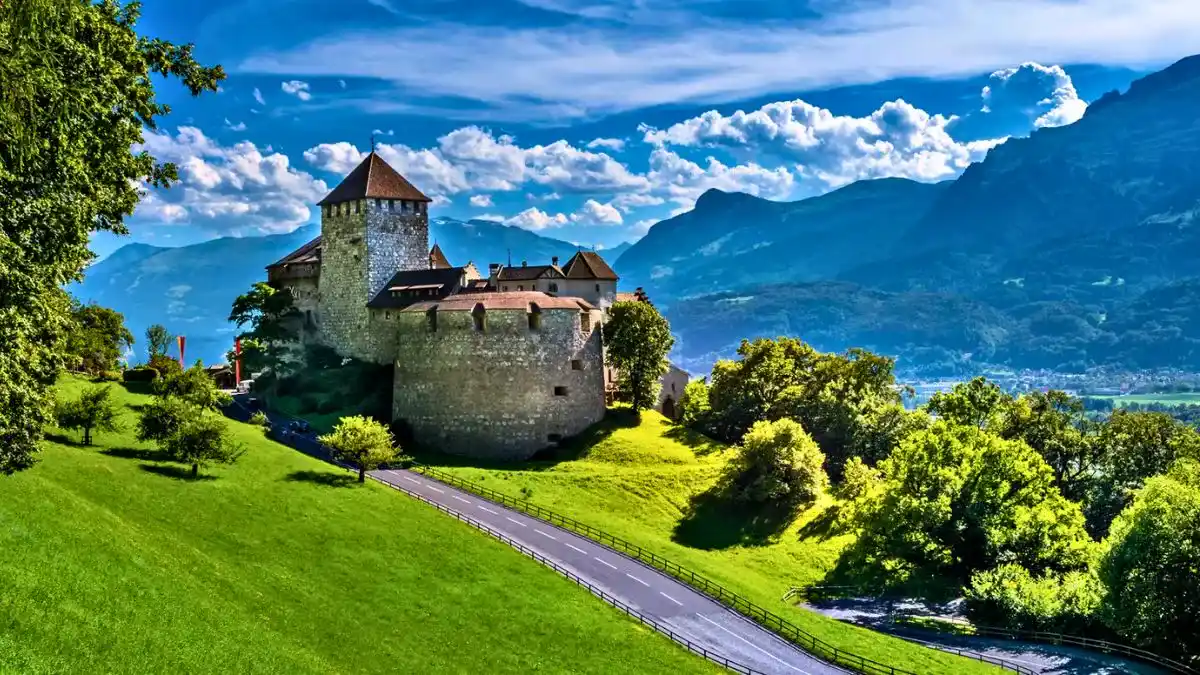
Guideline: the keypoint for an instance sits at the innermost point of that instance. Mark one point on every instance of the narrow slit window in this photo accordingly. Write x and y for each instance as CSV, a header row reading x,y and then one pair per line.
x,y
535,316
479,315
560,391
431,316
576,364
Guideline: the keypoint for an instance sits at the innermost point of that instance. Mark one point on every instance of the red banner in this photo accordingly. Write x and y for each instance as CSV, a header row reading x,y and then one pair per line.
x,y
182,340
237,362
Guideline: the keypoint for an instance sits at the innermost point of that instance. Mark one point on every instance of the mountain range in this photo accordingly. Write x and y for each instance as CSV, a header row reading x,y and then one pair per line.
x,y
1069,249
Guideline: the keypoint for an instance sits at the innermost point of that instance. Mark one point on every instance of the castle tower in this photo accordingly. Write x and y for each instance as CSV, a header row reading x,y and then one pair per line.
x,y
373,224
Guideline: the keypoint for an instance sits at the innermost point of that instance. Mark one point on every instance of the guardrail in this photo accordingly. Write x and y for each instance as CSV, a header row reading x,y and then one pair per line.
x,y
769,620
1046,637
681,640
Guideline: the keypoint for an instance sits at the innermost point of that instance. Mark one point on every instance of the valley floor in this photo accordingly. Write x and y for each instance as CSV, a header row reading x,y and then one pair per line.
x,y
115,562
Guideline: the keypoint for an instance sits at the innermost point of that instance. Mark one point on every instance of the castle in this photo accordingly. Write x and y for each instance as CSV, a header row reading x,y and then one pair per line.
x,y
499,366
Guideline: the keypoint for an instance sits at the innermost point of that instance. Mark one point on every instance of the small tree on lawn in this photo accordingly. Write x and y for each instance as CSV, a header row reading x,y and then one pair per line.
x,y
92,411
201,440
162,418
637,339
363,442
779,465
194,386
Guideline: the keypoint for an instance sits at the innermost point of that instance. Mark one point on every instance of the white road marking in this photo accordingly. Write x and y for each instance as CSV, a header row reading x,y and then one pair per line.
x,y
436,489
465,501
484,508
575,547
514,520
604,562
549,536
410,479
637,579
768,654
670,598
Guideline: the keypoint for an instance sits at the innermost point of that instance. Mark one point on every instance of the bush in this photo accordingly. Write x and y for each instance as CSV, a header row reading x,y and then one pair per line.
x,y
779,464
694,409
1010,597
194,386
260,419
109,376
165,365
142,374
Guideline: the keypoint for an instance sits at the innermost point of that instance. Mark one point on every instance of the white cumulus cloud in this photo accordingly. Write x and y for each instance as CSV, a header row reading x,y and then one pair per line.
x,y
614,144
1045,93
594,213
481,201
258,96
296,88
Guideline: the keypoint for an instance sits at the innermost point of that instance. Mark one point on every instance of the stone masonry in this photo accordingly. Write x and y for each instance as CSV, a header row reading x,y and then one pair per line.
x,y
496,383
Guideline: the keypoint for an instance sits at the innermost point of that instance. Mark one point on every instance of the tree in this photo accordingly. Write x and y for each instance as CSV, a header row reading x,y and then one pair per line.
x,y
271,316
98,338
202,439
362,442
157,341
1149,565
92,411
779,465
1133,446
956,500
637,339
77,95
694,409
162,418
193,386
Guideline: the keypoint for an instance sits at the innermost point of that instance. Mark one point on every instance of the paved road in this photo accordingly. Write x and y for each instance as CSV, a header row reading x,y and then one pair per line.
x,y
654,594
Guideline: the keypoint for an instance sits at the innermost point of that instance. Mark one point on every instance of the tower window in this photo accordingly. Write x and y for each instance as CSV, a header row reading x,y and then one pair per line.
x,y
585,322
576,364
597,288
378,203
391,205
403,206
553,288
560,391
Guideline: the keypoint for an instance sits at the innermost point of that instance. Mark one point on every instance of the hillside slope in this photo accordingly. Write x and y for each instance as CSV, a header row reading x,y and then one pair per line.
x,y
114,563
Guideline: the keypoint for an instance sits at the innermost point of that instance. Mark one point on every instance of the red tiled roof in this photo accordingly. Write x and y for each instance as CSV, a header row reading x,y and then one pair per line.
x,y
437,259
528,273
519,300
373,179
588,265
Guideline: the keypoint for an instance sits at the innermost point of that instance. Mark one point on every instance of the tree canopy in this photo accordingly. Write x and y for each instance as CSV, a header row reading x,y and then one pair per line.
x,y
94,410
638,339
362,442
77,94
98,338
270,315
158,339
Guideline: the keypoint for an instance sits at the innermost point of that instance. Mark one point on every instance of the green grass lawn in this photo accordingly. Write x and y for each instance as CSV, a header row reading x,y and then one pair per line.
x,y
638,481
111,562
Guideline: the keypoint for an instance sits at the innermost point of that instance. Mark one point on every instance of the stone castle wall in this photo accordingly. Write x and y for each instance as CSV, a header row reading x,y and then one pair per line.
x,y
504,392
364,243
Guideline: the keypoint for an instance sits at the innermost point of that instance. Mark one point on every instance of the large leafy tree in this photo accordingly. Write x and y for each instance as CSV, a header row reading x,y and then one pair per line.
x,y
193,386
76,95
270,315
777,465
98,338
1149,565
637,339
955,500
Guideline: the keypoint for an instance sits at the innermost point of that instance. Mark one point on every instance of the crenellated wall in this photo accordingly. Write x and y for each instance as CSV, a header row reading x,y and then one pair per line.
x,y
503,392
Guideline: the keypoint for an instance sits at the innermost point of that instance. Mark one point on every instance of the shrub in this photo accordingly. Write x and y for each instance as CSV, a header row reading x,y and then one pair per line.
x,y
109,376
1010,597
694,409
778,464
194,386
260,419
142,374
165,365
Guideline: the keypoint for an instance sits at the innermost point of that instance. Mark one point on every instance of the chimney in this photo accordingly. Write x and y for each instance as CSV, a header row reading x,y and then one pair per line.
x,y
554,261
493,268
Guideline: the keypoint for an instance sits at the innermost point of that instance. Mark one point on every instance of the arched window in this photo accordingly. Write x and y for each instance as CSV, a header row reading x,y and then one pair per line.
x,y
535,316
480,317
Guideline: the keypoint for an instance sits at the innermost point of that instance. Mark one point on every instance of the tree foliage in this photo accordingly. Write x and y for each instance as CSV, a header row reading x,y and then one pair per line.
x,y
94,410
98,338
362,442
694,409
1149,565
202,439
77,94
158,340
956,500
193,386
1010,597
271,317
162,418
637,339
779,465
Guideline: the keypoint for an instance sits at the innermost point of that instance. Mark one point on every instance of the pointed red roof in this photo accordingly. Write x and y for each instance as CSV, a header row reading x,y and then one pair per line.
x,y
437,259
374,179
588,265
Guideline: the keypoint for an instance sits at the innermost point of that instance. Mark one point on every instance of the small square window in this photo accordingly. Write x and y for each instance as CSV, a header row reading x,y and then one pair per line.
x,y
576,364
560,391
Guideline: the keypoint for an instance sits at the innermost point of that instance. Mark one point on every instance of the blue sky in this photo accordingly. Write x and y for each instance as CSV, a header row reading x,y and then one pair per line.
x,y
589,120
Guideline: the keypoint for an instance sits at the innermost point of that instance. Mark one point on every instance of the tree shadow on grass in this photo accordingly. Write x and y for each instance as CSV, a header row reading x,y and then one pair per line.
x,y
64,439
139,387
183,473
699,443
714,521
823,526
146,455
326,478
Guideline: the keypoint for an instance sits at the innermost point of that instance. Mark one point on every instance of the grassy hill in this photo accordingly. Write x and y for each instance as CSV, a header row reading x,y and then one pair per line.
x,y
113,562
646,482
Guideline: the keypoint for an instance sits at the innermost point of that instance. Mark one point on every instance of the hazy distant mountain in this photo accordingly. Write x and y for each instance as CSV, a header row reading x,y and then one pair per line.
x,y
190,289
1072,248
